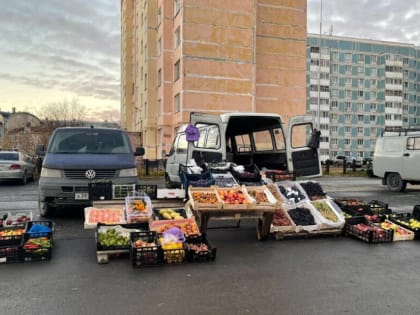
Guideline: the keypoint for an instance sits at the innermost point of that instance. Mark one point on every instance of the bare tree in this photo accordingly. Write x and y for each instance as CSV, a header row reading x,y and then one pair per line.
x,y
64,113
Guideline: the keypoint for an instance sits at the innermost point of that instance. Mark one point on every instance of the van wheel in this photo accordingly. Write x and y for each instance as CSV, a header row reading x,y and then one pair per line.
x,y
395,182
45,210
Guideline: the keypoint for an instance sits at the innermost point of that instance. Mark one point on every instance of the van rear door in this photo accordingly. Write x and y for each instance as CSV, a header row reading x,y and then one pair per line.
x,y
211,146
302,159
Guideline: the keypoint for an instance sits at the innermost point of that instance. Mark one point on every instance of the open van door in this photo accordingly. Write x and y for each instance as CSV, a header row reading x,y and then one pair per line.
x,y
303,147
211,145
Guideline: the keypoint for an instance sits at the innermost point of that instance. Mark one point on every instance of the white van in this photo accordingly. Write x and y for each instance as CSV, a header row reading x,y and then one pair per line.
x,y
397,158
246,138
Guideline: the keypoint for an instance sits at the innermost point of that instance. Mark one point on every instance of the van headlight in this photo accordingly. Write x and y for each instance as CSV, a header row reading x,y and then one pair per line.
x,y
50,172
128,172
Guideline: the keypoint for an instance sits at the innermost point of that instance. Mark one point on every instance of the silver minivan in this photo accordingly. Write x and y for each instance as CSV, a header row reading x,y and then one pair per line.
x,y
244,139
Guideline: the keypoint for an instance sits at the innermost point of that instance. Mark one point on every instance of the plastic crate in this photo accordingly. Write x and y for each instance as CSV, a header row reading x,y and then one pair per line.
x,y
416,212
279,175
158,215
150,190
407,236
8,218
148,255
251,174
204,179
122,191
135,215
10,240
173,256
367,236
40,253
46,223
199,254
122,229
379,207
11,254
313,190
353,207
225,179
100,191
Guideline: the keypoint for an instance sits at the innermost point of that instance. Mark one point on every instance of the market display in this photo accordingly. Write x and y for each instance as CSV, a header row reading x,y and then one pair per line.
x,y
138,209
291,191
301,216
93,216
313,190
325,210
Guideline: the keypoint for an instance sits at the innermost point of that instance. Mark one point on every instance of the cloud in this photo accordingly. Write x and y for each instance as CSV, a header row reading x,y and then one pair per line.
x,y
72,46
387,20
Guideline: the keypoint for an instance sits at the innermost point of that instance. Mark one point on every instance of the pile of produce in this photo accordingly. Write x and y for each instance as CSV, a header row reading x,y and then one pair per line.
x,y
170,214
188,227
37,246
313,190
236,197
113,238
9,219
204,197
291,193
138,209
6,233
280,218
378,232
259,195
354,207
106,216
325,210
301,216
388,225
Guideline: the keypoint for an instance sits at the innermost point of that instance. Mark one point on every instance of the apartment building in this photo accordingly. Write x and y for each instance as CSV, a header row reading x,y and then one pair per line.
x,y
356,87
183,56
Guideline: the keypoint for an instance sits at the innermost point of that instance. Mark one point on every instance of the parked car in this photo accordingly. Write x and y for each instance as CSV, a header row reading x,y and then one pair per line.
x,y
340,159
15,165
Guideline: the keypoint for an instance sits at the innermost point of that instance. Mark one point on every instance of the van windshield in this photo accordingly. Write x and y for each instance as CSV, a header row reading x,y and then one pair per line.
x,y
89,141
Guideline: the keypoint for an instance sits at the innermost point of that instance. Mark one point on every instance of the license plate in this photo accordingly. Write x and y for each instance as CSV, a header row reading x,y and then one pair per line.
x,y
81,196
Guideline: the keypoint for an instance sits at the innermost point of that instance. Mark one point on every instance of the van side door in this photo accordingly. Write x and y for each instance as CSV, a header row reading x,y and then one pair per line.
x,y
211,146
302,159
411,159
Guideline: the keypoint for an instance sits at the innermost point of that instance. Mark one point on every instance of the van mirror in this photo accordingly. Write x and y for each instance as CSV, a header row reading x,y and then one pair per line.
x,y
40,149
139,151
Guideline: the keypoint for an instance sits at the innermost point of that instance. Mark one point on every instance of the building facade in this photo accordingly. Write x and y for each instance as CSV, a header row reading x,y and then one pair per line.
x,y
183,56
357,87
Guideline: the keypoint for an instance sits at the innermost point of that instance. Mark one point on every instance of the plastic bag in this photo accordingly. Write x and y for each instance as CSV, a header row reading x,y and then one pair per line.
x,y
172,235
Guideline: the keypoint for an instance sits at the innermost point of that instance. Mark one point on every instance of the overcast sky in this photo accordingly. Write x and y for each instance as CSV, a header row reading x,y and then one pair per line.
x,y
389,20
56,49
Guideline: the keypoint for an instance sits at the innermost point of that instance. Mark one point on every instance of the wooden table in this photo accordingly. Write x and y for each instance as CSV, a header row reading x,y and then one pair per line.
x,y
263,216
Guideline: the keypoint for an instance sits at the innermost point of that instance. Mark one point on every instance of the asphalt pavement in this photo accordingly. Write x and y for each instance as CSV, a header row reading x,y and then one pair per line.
x,y
322,275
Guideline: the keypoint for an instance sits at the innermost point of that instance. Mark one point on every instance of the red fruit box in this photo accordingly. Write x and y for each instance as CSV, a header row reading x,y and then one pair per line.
x,y
204,198
279,223
235,198
263,198
93,216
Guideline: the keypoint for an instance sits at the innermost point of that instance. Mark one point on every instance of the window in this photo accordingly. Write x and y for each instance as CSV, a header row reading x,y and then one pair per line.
x,y
300,135
315,62
279,139
360,93
335,68
177,38
159,46
360,106
413,143
347,106
262,140
361,57
177,70
177,103
334,80
335,55
372,118
373,59
159,77
360,141
373,71
181,144
334,92
347,129
159,16
361,82
347,57
405,61
347,116
347,81
177,7
373,82
373,106
209,137
334,128
334,141
315,49
334,104
243,143
145,81
348,93
360,69
346,141
360,118
159,107
347,68
359,130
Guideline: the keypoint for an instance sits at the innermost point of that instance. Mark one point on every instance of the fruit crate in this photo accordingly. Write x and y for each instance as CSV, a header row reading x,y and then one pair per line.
x,y
158,213
122,191
251,174
408,236
331,215
162,225
235,192
353,207
197,252
100,190
12,235
11,254
95,215
313,190
149,190
302,211
123,230
138,209
204,198
367,236
280,175
8,218
416,212
148,255
379,207
403,219
39,253
263,198
291,191
31,225
281,214
204,179
173,256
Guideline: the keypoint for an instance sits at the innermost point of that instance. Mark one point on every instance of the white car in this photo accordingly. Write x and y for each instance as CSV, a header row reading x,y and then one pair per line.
x,y
15,165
